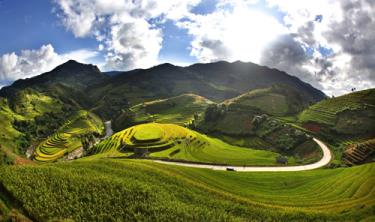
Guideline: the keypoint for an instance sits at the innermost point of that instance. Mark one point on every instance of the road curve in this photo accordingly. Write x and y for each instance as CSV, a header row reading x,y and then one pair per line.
x,y
322,162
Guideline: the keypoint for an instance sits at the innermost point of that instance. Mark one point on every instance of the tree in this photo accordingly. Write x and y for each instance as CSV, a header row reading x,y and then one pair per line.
x,y
281,159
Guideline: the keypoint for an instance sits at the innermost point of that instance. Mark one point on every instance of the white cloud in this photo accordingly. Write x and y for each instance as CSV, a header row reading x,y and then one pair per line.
x,y
130,35
235,33
134,45
346,29
123,27
36,61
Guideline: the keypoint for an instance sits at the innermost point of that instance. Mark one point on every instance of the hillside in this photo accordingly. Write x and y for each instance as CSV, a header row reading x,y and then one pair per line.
x,y
214,81
68,138
178,110
350,114
277,100
112,190
173,142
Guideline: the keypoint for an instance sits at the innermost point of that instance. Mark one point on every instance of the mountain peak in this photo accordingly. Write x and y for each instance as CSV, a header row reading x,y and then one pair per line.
x,y
72,65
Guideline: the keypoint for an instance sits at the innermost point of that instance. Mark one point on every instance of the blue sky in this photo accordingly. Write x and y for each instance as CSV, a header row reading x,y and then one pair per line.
x,y
30,24
301,37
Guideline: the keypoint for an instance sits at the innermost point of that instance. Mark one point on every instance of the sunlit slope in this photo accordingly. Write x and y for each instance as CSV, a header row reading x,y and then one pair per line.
x,y
170,141
68,137
177,110
353,113
147,191
25,107
277,100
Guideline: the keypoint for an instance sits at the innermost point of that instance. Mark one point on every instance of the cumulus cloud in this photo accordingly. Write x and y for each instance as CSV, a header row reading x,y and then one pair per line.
x,y
33,62
127,30
343,30
232,32
329,43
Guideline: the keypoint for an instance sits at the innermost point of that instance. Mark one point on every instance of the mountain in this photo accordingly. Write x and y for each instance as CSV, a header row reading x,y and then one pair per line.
x,y
36,107
242,77
71,73
215,81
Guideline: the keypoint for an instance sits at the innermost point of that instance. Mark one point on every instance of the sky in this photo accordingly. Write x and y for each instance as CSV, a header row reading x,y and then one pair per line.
x,y
327,43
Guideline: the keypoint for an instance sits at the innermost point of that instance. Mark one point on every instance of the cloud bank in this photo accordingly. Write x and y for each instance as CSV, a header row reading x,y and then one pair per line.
x,y
33,62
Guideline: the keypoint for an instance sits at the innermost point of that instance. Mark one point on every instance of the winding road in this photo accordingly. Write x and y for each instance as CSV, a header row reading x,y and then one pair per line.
x,y
322,162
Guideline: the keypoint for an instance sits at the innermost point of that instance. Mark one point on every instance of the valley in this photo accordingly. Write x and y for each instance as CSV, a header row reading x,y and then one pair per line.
x,y
207,142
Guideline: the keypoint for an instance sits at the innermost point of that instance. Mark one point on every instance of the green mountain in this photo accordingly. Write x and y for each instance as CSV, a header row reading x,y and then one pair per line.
x,y
214,81
33,109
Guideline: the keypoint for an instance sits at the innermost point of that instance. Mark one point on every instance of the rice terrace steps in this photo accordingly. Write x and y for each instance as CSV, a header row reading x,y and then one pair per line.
x,y
164,141
359,152
67,138
147,138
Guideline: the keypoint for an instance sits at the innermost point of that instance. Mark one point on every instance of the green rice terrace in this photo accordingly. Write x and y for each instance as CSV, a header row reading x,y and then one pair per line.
x,y
331,112
67,138
208,142
173,142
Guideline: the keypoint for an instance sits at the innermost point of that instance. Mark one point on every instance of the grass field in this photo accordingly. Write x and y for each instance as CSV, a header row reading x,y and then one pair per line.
x,y
140,190
67,138
169,141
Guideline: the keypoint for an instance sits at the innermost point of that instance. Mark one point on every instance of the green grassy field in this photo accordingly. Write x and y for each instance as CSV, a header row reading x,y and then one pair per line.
x,y
128,190
169,141
67,138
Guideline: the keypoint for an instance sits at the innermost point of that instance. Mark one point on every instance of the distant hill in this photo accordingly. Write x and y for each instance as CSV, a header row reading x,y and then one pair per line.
x,y
112,73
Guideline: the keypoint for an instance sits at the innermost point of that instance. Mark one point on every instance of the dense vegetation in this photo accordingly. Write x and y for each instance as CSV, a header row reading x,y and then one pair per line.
x,y
240,124
128,190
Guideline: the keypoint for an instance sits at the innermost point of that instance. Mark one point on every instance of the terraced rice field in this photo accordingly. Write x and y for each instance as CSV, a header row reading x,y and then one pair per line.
x,y
325,111
146,191
169,141
359,152
67,138
177,110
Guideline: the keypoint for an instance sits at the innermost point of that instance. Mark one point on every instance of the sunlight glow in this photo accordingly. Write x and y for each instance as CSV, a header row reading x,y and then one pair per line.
x,y
249,32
